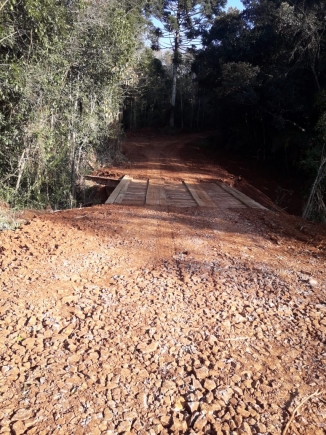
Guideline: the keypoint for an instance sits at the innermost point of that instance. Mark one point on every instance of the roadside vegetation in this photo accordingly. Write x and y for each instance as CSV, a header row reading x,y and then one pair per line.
x,y
64,71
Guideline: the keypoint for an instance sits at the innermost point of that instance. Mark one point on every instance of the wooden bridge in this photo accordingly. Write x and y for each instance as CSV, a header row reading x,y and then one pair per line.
x,y
156,192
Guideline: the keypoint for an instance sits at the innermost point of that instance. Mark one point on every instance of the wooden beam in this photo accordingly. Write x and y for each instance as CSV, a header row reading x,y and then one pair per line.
x,y
199,195
102,180
116,196
241,196
156,193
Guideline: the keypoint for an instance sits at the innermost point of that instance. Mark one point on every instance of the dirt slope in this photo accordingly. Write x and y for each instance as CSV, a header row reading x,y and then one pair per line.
x,y
141,320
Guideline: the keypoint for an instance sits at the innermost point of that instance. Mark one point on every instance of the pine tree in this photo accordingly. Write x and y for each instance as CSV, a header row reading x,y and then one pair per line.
x,y
182,22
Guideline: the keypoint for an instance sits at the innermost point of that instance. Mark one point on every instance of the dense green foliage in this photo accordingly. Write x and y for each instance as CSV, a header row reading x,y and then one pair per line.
x,y
64,69
267,69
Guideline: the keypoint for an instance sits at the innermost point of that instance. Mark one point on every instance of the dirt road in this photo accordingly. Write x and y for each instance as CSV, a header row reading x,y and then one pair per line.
x,y
134,320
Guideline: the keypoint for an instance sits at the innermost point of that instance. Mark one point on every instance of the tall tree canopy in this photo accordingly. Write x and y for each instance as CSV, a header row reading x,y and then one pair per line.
x,y
183,22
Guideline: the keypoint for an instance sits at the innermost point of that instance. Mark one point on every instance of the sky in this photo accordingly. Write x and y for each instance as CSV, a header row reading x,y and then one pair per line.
x,y
231,3
235,4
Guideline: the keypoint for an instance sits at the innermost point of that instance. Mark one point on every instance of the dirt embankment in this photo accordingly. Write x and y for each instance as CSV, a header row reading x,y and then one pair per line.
x,y
134,320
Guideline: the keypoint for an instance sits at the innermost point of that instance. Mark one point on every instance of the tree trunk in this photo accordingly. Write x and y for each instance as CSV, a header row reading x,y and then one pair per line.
x,y
315,77
73,171
321,173
134,114
192,116
174,73
181,102
174,93
198,113
21,167
203,117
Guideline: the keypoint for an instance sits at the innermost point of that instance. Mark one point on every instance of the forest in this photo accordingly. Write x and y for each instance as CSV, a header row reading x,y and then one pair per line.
x,y
76,74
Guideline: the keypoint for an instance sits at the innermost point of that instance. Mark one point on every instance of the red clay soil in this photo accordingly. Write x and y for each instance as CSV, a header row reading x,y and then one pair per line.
x,y
133,320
